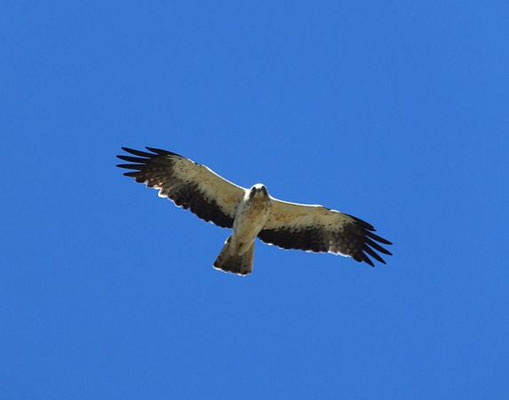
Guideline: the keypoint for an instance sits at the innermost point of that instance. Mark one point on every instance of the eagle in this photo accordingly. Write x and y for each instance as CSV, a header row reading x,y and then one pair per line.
x,y
251,213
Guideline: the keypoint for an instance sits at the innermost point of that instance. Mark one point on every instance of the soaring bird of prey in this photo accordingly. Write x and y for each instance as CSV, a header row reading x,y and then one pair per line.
x,y
251,213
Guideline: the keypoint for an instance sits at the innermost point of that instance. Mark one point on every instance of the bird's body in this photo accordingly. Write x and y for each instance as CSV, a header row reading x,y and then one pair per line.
x,y
251,216
252,213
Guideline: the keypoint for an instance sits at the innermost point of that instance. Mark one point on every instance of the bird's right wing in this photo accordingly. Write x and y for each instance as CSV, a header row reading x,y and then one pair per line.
x,y
319,229
188,184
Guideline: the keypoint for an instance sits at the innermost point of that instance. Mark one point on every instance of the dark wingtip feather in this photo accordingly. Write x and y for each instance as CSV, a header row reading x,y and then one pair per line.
x,y
362,257
131,166
377,238
368,244
156,150
376,246
372,253
367,260
160,152
132,174
364,224
133,159
137,152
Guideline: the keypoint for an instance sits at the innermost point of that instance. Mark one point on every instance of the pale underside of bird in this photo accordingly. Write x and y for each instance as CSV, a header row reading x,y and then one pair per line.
x,y
251,213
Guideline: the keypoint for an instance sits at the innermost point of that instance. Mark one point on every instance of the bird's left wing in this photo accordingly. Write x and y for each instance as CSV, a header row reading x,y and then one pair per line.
x,y
188,184
319,229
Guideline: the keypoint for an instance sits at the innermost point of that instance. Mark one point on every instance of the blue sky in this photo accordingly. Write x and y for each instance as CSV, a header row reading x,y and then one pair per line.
x,y
394,111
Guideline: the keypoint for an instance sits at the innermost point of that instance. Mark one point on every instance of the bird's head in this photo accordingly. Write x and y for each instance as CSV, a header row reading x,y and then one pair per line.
x,y
258,190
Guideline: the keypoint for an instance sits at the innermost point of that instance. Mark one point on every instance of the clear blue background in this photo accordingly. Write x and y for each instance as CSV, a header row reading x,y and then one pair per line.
x,y
394,111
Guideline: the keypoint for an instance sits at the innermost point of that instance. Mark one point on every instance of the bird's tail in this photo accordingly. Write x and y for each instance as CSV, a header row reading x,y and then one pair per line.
x,y
228,261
